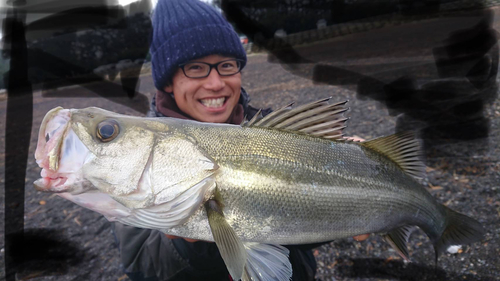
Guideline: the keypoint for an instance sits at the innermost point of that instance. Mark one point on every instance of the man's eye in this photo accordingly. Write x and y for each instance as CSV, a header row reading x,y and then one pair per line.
x,y
194,67
228,65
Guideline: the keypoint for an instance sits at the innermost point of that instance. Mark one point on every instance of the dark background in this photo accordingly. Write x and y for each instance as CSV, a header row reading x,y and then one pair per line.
x,y
429,66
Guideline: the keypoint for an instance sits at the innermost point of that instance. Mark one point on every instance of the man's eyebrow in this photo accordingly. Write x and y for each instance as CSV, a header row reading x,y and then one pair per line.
x,y
211,63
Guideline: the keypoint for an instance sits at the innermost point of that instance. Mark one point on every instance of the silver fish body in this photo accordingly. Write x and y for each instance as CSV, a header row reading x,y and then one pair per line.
x,y
291,189
287,178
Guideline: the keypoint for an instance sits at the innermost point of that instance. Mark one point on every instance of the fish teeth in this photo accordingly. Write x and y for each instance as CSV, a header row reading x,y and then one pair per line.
x,y
213,102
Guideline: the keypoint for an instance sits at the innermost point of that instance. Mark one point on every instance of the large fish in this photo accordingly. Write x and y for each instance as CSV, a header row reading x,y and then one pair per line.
x,y
287,178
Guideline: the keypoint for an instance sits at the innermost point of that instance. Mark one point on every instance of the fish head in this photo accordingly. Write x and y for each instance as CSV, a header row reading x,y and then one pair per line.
x,y
83,149
116,164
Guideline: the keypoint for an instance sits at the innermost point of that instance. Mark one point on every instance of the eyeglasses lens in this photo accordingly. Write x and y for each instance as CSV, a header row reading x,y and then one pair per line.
x,y
199,69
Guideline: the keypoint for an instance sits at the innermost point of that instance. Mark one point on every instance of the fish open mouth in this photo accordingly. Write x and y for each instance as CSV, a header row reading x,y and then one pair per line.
x,y
59,152
51,182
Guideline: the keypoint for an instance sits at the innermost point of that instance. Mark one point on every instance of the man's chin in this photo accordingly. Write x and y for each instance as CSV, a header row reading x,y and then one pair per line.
x,y
216,118
213,115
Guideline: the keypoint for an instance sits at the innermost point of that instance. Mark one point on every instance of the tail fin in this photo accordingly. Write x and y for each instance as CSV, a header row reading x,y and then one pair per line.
x,y
460,229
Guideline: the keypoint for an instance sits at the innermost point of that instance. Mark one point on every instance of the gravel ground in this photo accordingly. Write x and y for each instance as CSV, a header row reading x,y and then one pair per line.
x,y
465,182
67,242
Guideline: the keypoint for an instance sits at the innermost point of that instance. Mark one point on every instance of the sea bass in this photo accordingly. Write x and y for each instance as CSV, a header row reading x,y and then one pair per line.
x,y
287,178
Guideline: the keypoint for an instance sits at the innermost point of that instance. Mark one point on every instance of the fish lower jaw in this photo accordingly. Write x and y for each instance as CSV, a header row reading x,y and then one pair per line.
x,y
52,184
59,182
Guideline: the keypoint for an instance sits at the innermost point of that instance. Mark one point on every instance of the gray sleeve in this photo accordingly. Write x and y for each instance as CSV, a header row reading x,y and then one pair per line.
x,y
151,254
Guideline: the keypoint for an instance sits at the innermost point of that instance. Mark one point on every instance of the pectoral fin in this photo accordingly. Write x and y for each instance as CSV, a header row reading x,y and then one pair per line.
x,y
250,261
398,238
230,246
267,262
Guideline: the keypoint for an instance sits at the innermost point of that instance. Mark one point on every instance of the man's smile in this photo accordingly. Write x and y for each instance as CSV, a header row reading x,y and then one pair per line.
x,y
213,102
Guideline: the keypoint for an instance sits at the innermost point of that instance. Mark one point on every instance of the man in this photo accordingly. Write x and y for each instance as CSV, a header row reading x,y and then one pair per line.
x,y
197,59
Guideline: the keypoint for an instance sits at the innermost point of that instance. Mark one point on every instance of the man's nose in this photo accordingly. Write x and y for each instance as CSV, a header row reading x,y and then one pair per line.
x,y
214,81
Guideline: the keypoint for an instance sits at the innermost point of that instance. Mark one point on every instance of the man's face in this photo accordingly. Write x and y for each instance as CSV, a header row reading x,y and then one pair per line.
x,y
209,99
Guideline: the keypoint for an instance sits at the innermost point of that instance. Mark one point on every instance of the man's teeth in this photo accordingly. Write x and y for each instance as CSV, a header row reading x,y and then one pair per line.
x,y
213,102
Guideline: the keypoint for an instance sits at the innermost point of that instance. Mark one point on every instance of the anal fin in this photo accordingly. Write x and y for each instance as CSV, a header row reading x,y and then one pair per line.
x,y
398,238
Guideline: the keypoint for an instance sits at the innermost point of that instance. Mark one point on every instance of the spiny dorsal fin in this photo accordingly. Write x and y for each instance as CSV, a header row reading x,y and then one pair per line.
x,y
317,118
256,117
403,149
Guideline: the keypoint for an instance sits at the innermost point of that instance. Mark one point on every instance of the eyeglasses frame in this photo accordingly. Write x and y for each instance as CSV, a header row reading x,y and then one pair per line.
x,y
215,65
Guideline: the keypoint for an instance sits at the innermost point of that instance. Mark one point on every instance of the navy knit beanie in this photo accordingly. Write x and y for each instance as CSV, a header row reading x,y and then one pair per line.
x,y
185,30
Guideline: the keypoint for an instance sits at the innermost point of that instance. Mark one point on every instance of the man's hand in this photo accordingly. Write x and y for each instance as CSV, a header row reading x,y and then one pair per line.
x,y
361,237
177,237
187,239
355,138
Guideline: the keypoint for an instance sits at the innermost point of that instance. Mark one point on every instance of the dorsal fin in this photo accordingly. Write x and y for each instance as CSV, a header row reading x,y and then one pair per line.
x,y
257,116
317,118
403,149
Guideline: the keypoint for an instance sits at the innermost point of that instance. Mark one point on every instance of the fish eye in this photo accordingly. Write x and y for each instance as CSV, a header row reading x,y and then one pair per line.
x,y
107,130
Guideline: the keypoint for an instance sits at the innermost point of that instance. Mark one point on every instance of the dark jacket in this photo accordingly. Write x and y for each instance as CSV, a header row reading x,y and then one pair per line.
x,y
149,255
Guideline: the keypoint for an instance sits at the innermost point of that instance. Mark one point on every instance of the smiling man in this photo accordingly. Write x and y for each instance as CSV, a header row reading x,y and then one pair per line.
x,y
197,60
206,95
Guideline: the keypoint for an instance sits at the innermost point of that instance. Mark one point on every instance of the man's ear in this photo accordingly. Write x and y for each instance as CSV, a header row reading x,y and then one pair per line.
x,y
168,89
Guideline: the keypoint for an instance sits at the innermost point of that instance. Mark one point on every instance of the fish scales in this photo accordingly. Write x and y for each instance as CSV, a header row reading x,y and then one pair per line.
x,y
248,188
265,180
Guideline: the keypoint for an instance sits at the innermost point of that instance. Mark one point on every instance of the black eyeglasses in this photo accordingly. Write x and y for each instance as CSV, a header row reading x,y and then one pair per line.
x,y
202,69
